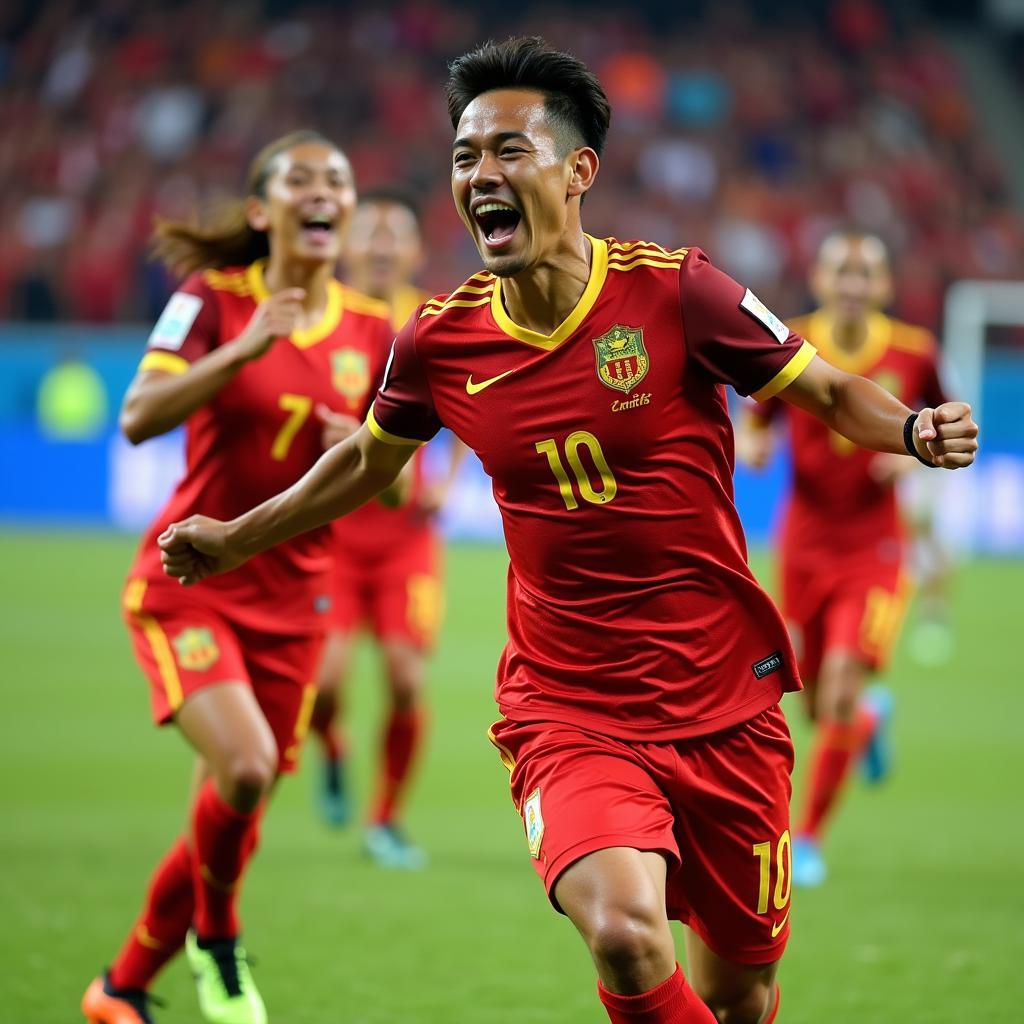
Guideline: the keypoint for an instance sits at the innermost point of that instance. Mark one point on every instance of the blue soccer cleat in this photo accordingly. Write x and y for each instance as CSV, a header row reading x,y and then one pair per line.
x,y
876,761
808,864
389,847
332,794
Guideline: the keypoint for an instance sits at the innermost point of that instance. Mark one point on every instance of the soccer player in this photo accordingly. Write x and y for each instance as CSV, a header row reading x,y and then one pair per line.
x,y
387,571
255,355
844,581
640,686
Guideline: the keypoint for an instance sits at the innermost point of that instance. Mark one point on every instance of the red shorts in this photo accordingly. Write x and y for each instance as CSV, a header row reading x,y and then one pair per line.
x,y
857,608
716,806
396,592
185,646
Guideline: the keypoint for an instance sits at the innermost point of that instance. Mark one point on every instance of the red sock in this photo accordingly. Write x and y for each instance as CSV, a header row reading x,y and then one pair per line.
x,y
223,841
401,741
160,930
836,746
672,1002
322,723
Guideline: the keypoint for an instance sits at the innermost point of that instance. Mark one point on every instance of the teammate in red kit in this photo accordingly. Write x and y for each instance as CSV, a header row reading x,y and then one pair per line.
x,y
844,580
387,572
640,684
259,336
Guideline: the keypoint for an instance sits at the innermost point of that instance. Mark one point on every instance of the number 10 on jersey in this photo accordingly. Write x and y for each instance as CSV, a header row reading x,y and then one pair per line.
x,y
577,440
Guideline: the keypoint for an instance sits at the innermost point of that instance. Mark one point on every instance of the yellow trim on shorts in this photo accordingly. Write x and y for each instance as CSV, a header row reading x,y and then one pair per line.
x,y
134,593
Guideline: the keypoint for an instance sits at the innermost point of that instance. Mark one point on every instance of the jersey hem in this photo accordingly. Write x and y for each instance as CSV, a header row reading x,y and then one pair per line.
x,y
608,726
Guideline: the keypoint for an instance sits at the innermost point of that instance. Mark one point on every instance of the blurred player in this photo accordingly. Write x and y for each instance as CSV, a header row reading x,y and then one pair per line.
x,y
387,564
641,681
931,640
844,580
259,339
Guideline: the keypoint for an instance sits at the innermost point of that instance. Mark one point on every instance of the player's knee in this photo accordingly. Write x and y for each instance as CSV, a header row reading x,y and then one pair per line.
x,y
628,940
247,777
405,678
732,1004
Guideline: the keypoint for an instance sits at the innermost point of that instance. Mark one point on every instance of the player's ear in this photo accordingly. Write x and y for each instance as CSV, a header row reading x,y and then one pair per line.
x,y
256,213
584,163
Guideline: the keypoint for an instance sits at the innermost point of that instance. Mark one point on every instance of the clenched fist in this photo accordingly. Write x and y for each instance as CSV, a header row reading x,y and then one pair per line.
x,y
946,435
196,548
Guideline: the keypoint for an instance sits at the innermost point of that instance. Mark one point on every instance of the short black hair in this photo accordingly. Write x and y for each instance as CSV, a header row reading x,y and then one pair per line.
x,y
574,101
393,194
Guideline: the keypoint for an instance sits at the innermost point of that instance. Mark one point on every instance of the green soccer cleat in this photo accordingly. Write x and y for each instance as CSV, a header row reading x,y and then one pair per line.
x,y
389,847
227,993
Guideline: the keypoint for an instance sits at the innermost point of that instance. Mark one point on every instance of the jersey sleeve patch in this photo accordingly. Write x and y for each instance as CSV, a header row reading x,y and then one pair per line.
x,y
175,322
760,312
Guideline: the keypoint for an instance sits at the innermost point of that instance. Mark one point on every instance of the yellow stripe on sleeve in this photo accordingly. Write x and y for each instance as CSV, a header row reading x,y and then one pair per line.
x,y
383,435
166,362
789,373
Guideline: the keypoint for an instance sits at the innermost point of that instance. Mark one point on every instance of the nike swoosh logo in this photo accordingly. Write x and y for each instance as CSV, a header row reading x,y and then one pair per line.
x,y
779,925
474,388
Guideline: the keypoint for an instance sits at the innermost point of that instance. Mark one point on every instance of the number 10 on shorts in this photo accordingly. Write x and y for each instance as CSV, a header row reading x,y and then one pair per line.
x,y
783,863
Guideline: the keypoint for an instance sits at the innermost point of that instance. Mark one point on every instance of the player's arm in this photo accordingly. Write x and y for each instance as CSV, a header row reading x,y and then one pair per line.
x,y
345,477
169,388
866,414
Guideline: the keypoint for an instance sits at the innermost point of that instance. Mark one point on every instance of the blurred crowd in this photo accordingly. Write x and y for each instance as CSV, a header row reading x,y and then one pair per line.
x,y
746,133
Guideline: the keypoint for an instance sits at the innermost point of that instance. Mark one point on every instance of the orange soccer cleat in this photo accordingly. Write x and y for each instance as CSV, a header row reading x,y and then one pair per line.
x,y
104,1004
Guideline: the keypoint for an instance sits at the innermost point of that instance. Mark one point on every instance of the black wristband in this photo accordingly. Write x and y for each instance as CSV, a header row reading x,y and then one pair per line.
x,y
908,442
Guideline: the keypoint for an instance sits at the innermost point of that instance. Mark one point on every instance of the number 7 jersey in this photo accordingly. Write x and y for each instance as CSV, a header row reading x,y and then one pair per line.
x,y
260,434
631,607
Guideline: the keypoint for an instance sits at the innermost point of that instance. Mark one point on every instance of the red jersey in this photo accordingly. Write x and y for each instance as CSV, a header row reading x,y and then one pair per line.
x,y
259,434
631,608
837,510
377,529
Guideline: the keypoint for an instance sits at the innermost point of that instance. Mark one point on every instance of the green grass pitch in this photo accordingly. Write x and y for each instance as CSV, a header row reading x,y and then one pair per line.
x,y
920,921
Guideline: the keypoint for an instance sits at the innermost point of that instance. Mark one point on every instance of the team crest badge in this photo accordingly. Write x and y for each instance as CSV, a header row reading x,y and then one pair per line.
x,y
350,373
196,649
534,821
622,360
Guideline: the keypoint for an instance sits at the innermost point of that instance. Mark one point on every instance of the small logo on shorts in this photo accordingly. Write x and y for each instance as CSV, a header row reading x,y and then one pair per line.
x,y
766,666
322,604
534,821
196,648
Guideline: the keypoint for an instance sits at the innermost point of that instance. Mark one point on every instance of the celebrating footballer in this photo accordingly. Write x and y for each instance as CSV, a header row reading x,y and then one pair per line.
x,y
639,689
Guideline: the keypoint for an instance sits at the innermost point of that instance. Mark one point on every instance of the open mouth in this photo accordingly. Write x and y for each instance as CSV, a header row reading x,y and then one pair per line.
x,y
498,222
319,225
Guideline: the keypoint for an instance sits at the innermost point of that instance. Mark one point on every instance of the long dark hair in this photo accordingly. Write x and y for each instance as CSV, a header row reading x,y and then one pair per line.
x,y
228,241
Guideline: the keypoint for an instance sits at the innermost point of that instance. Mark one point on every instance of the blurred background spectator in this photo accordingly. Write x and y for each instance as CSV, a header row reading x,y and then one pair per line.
x,y
746,128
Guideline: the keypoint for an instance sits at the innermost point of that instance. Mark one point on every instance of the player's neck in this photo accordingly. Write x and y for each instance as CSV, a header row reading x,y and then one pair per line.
x,y
849,335
313,278
540,298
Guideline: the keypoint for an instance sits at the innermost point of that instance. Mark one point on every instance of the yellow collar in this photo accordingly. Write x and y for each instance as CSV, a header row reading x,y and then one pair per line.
x,y
598,273
304,337
876,341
